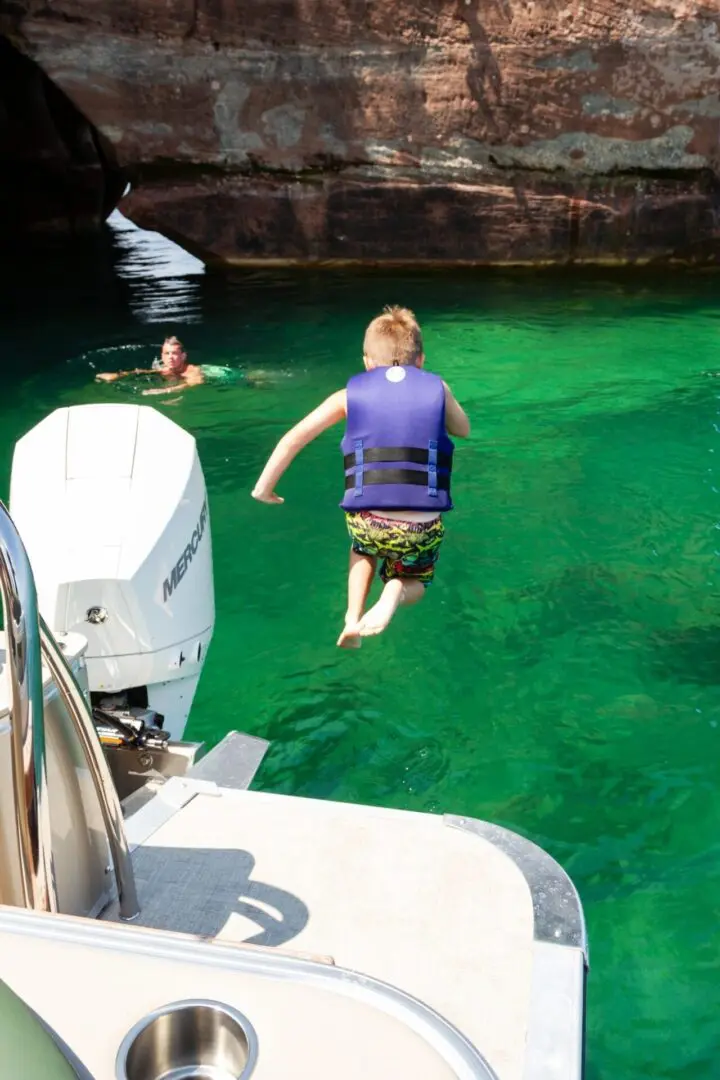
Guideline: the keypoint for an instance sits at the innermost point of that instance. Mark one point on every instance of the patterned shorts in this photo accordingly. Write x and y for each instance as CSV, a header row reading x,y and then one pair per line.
x,y
408,549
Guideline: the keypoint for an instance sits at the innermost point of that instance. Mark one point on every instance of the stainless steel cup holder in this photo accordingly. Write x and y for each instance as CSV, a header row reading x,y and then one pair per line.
x,y
189,1040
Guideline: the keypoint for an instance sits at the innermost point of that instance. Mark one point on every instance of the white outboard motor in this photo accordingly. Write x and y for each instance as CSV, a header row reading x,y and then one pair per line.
x,y
111,505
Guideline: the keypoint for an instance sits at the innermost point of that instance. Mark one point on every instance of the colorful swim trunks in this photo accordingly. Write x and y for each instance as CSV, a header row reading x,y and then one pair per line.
x,y
408,549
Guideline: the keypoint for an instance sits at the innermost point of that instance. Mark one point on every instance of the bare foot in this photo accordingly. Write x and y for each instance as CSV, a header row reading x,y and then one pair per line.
x,y
377,618
349,638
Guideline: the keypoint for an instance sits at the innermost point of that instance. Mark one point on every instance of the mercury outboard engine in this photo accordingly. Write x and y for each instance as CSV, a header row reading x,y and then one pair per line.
x,y
110,502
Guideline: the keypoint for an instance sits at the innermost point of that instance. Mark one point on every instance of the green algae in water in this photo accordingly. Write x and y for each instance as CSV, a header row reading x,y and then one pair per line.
x,y
561,677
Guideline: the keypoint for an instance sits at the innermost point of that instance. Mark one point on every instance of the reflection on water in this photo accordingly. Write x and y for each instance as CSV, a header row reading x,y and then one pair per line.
x,y
162,276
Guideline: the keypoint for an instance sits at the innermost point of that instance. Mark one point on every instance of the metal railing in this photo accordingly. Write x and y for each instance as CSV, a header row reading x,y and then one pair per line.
x,y
29,642
27,733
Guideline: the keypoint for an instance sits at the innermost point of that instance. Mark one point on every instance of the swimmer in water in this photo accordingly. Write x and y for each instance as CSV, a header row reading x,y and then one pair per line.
x,y
173,364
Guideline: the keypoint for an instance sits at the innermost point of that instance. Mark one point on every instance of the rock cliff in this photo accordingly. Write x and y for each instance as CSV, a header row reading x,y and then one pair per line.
x,y
488,131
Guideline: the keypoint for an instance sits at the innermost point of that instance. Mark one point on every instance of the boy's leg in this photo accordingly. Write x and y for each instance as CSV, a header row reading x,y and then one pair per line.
x,y
397,592
360,576
413,551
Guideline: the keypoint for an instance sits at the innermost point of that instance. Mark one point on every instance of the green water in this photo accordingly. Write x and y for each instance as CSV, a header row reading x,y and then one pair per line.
x,y
561,677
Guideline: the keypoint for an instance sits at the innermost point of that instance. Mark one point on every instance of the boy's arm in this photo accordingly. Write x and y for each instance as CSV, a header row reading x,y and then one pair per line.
x,y
332,410
456,420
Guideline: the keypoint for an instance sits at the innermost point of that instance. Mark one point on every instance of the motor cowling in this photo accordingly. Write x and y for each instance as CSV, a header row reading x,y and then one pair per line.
x,y
111,503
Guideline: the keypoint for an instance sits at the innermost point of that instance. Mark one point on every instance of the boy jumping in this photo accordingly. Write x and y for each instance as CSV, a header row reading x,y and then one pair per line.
x,y
397,459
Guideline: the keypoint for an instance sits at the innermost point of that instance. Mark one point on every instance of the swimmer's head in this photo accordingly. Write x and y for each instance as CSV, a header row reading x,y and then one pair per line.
x,y
173,357
393,338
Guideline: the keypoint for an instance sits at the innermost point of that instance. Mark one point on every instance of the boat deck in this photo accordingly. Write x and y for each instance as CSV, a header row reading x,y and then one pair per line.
x,y
475,922
93,982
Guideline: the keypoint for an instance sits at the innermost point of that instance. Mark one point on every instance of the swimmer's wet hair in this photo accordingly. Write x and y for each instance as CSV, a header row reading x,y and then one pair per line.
x,y
393,338
173,341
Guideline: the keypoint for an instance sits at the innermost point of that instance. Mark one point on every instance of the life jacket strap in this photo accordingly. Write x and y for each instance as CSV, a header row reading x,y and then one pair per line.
x,y
402,453
418,477
358,460
433,467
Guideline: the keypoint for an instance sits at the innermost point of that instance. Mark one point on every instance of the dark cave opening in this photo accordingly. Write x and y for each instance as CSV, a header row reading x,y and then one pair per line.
x,y
58,175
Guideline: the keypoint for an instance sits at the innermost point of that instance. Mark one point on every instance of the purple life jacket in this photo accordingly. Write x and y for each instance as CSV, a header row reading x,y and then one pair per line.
x,y
396,450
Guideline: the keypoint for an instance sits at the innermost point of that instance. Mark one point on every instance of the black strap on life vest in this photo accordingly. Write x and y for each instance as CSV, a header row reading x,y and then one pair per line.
x,y
419,477
429,477
399,453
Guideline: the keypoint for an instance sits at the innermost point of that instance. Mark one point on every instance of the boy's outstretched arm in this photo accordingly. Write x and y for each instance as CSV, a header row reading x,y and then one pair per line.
x,y
332,410
456,420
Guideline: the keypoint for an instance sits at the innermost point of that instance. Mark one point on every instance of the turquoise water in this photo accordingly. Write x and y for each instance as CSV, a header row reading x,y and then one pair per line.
x,y
561,677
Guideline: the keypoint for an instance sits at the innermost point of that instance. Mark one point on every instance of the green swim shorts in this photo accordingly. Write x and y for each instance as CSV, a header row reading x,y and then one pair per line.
x,y
408,549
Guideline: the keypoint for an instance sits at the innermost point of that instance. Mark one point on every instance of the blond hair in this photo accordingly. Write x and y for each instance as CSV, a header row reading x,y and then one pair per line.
x,y
393,338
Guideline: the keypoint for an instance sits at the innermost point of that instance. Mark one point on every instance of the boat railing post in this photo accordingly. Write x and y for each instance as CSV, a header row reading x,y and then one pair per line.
x,y
107,795
29,642
27,725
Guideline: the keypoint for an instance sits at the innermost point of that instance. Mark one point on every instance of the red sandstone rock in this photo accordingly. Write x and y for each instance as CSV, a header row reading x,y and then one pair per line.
x,y
494,131
534,219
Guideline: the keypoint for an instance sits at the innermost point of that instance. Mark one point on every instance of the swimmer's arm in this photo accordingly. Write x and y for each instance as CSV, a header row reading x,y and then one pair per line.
x,y
194,378
166,389
456,420
112,376
332,411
